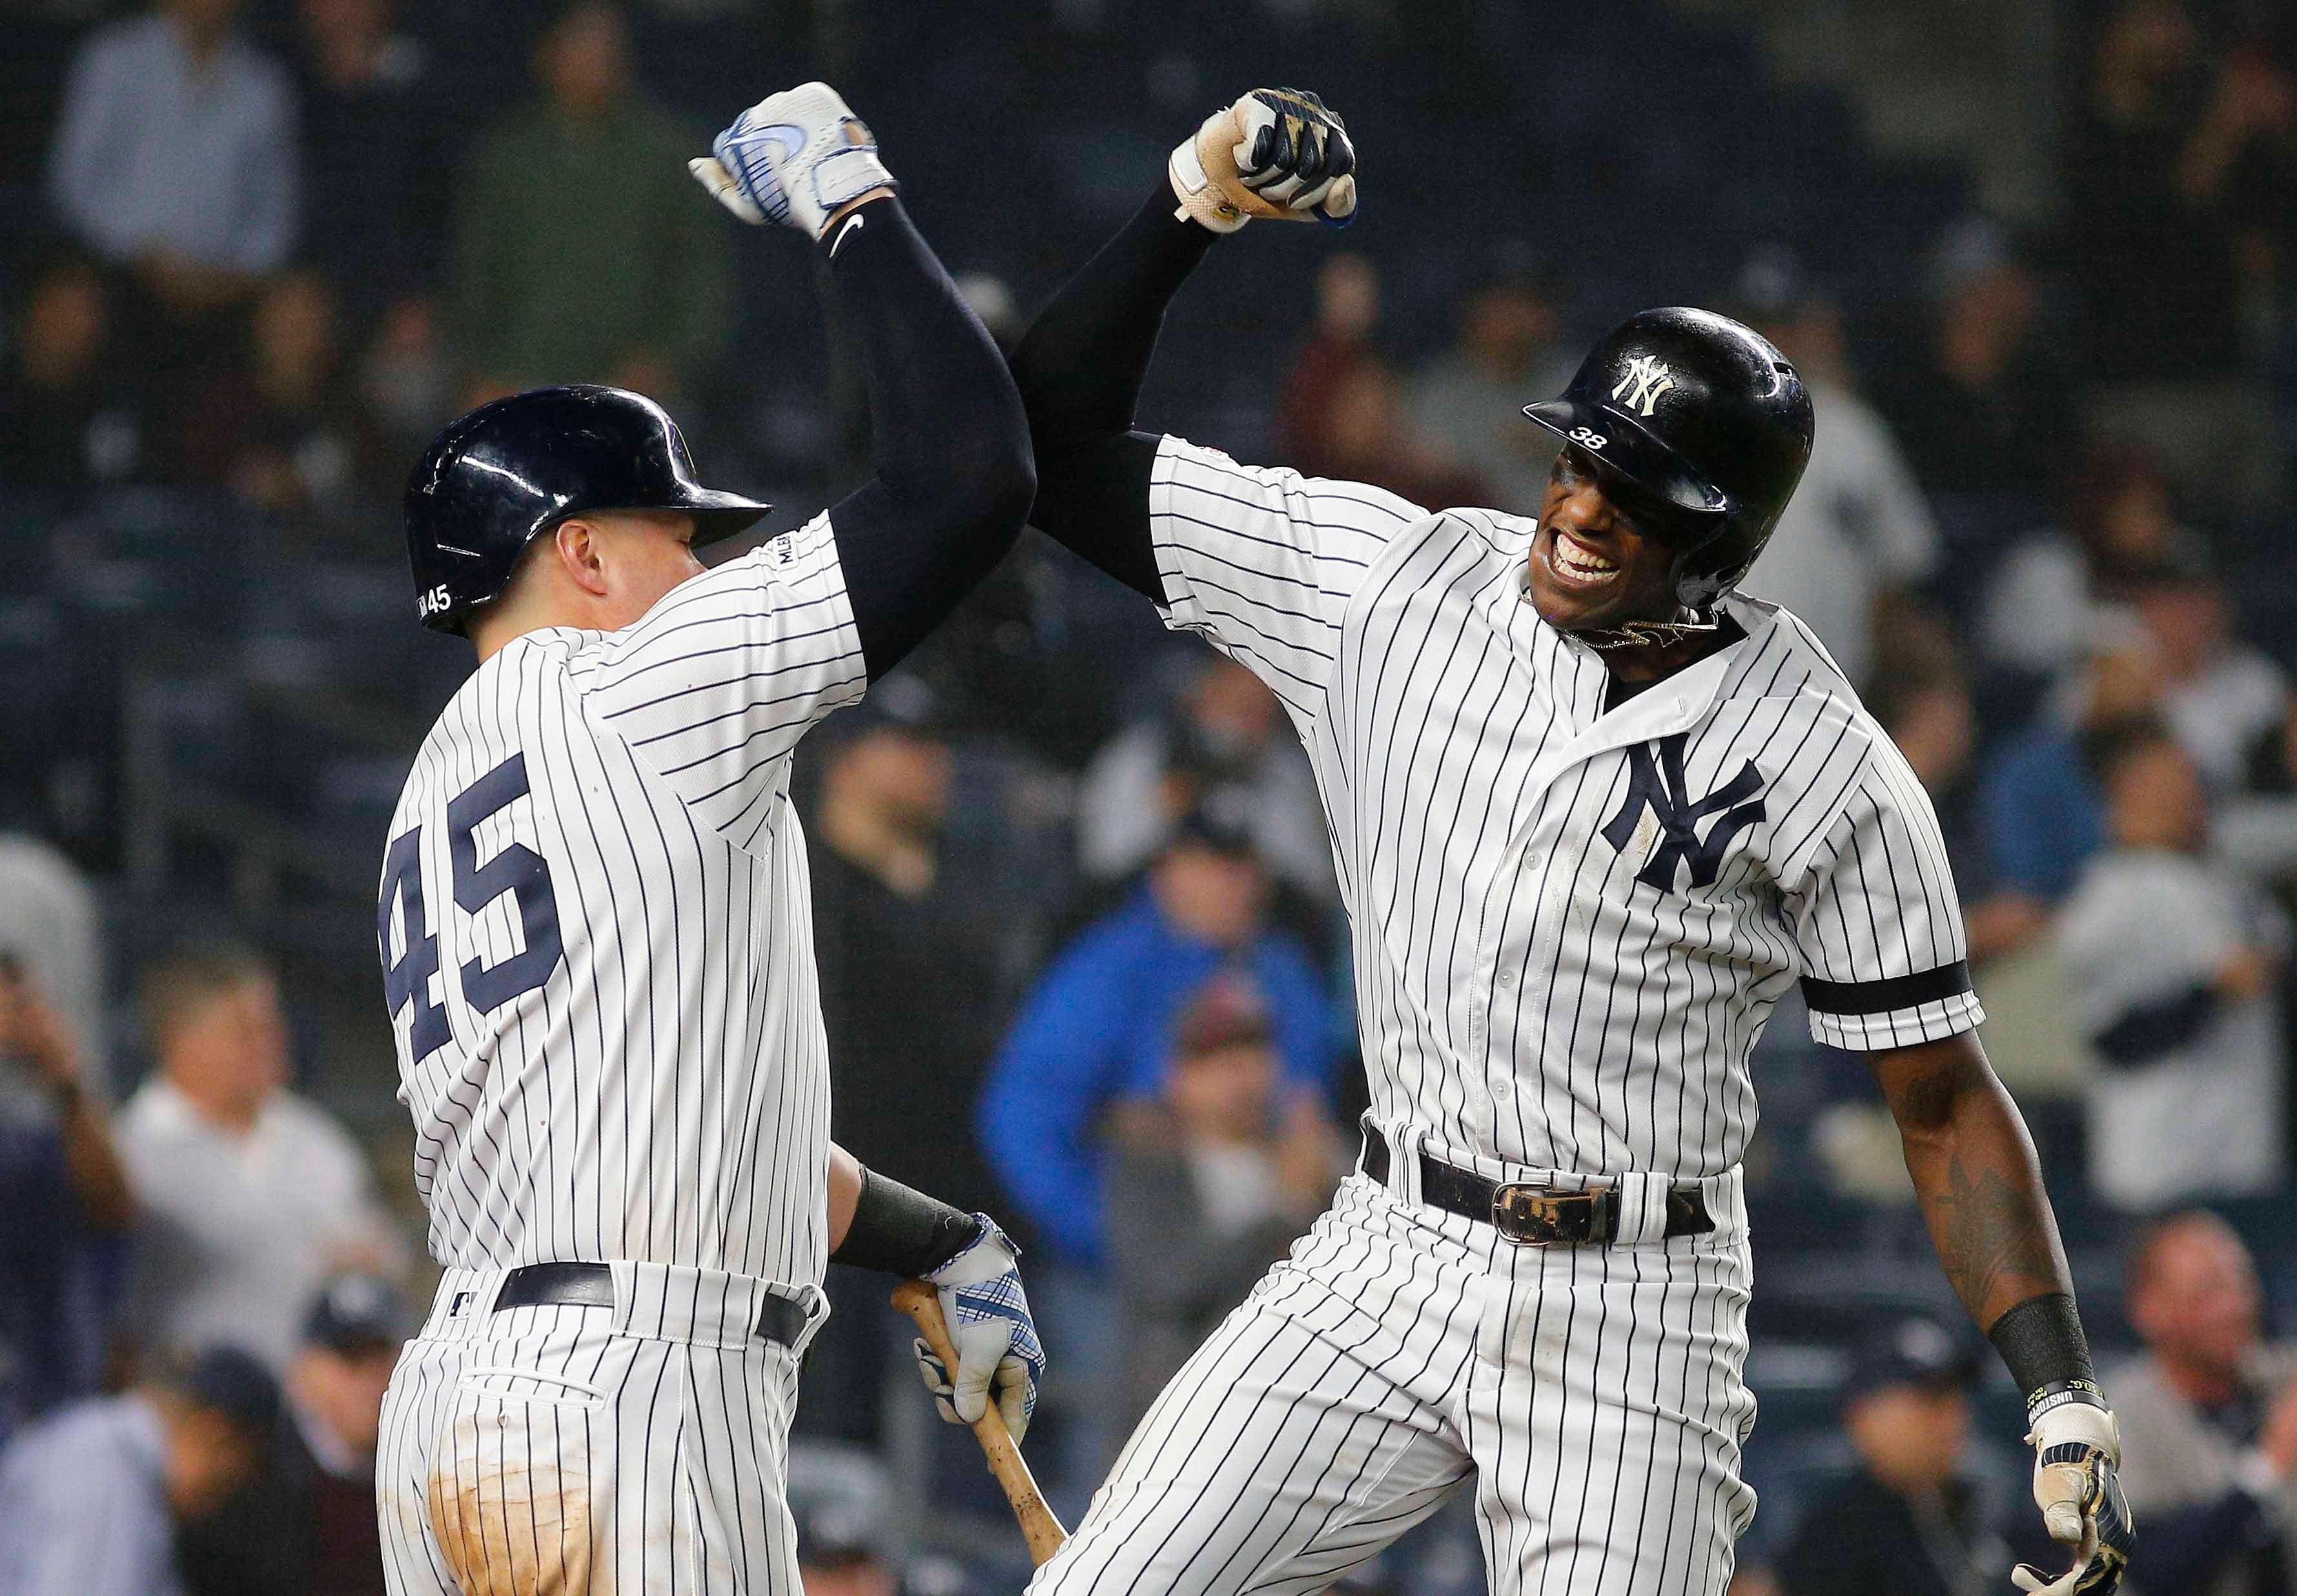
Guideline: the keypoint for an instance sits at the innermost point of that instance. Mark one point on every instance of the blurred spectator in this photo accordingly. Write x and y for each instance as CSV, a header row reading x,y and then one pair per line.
x,y
1981,408
1225,730
913,1001
2209,1417
2043,605
403,380
1208,1185
1339,340
49,923
1098,1030
1471,397
2257,828
175,157
376,191
90,1499
250,1194
1340,414
62,1188
1930,716
283,433
909,975
306,1525
65,420
1910,1521
2218,694
1856,541
2040,803
1095,1035
1362,435
2171,171
581,253
842,1501
2175,964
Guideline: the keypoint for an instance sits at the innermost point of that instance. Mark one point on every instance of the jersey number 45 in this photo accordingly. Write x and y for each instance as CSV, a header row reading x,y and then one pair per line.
x,y
518,869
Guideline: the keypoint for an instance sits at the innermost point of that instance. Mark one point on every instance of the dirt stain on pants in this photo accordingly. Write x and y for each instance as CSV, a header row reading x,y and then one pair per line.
x,y
513,1529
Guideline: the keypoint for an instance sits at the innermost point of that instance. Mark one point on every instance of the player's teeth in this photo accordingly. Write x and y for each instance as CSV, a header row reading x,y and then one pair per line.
x,y
1581,562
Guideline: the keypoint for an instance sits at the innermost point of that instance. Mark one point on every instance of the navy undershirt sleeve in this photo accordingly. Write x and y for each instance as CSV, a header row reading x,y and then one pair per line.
x,y
953,480
1079,371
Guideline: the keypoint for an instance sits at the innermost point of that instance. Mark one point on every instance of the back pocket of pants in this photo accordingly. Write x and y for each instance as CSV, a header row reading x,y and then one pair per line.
x,y
520,1493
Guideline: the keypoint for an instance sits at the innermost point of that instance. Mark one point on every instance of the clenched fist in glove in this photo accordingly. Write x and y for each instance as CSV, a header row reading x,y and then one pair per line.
x,y
990,1327
1277,153
2077,1451
792,157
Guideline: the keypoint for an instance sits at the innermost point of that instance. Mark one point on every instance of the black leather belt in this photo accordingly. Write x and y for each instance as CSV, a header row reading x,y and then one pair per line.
x,y
1533,1215
592,1285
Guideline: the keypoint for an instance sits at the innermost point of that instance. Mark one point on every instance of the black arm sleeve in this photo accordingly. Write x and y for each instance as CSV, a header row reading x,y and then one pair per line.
x,y
1079,371
950,447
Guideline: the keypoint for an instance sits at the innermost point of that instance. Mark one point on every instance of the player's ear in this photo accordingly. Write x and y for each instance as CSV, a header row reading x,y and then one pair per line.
x,y
580,555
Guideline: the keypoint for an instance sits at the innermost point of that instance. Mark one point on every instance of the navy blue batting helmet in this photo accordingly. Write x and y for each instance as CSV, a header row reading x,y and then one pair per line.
x,y
512,469
1707,426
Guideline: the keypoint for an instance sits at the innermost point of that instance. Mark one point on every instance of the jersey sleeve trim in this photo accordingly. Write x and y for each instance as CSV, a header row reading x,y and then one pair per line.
x,y
1861,998
1916,1016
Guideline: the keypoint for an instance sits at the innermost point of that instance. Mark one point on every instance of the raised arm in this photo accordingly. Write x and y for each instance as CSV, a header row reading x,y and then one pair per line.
x,y
1277,153
1262,562
953,480
1080,370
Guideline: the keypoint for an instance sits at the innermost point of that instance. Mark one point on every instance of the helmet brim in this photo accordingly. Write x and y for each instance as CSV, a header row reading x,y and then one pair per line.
x,y
719,515
1621,449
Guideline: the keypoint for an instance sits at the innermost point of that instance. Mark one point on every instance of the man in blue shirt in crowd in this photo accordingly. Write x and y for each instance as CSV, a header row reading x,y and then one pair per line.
x,y
1096,1034
1098,1030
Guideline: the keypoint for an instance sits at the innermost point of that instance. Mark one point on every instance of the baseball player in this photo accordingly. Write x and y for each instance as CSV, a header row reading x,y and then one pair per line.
x,y
1593,811
595,935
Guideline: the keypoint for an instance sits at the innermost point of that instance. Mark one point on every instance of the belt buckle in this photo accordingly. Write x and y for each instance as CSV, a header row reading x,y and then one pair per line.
x,y
1534,1215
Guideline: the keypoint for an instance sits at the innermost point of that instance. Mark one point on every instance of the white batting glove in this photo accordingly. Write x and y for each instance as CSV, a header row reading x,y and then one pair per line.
x,y
792,157
2077,1452
1278,153
990,1327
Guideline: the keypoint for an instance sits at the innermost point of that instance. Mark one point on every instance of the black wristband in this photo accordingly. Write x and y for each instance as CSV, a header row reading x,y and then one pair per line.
x,y
902,1231
2041,1340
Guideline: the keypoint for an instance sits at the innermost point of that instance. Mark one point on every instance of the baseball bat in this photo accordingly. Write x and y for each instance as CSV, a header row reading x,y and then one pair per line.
x,y
1039,1527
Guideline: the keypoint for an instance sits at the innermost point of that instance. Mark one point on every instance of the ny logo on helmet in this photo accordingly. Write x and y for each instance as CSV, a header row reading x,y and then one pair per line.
x,y
1658,786
1647,378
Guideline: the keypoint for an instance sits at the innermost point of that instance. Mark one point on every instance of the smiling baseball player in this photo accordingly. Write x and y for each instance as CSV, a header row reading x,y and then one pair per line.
x,y
1594,814
597,939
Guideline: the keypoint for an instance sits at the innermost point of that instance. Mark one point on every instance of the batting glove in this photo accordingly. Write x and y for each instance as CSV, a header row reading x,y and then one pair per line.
x,y
2077,1451
990,1327
792,157
1278,153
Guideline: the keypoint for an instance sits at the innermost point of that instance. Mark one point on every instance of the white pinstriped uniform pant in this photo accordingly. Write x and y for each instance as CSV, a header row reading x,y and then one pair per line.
x,y
1595,1395
565,1450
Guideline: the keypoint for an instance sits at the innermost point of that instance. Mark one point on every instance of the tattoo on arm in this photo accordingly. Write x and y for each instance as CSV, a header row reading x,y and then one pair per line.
x,y
1975,1173
1993,1239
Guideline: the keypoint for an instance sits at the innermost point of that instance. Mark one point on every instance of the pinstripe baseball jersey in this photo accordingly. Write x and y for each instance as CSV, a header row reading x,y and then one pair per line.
x,y
1571,917
596,934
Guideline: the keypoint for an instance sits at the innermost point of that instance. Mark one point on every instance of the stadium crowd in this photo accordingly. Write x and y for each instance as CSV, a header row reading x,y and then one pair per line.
x,y
1071,888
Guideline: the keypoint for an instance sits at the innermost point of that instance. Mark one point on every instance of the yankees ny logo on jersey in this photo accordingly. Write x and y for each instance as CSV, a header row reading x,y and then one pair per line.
x,y
1647,378
1657,786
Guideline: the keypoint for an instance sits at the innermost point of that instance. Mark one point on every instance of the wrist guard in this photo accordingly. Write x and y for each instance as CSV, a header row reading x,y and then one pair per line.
x,y
904,1232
